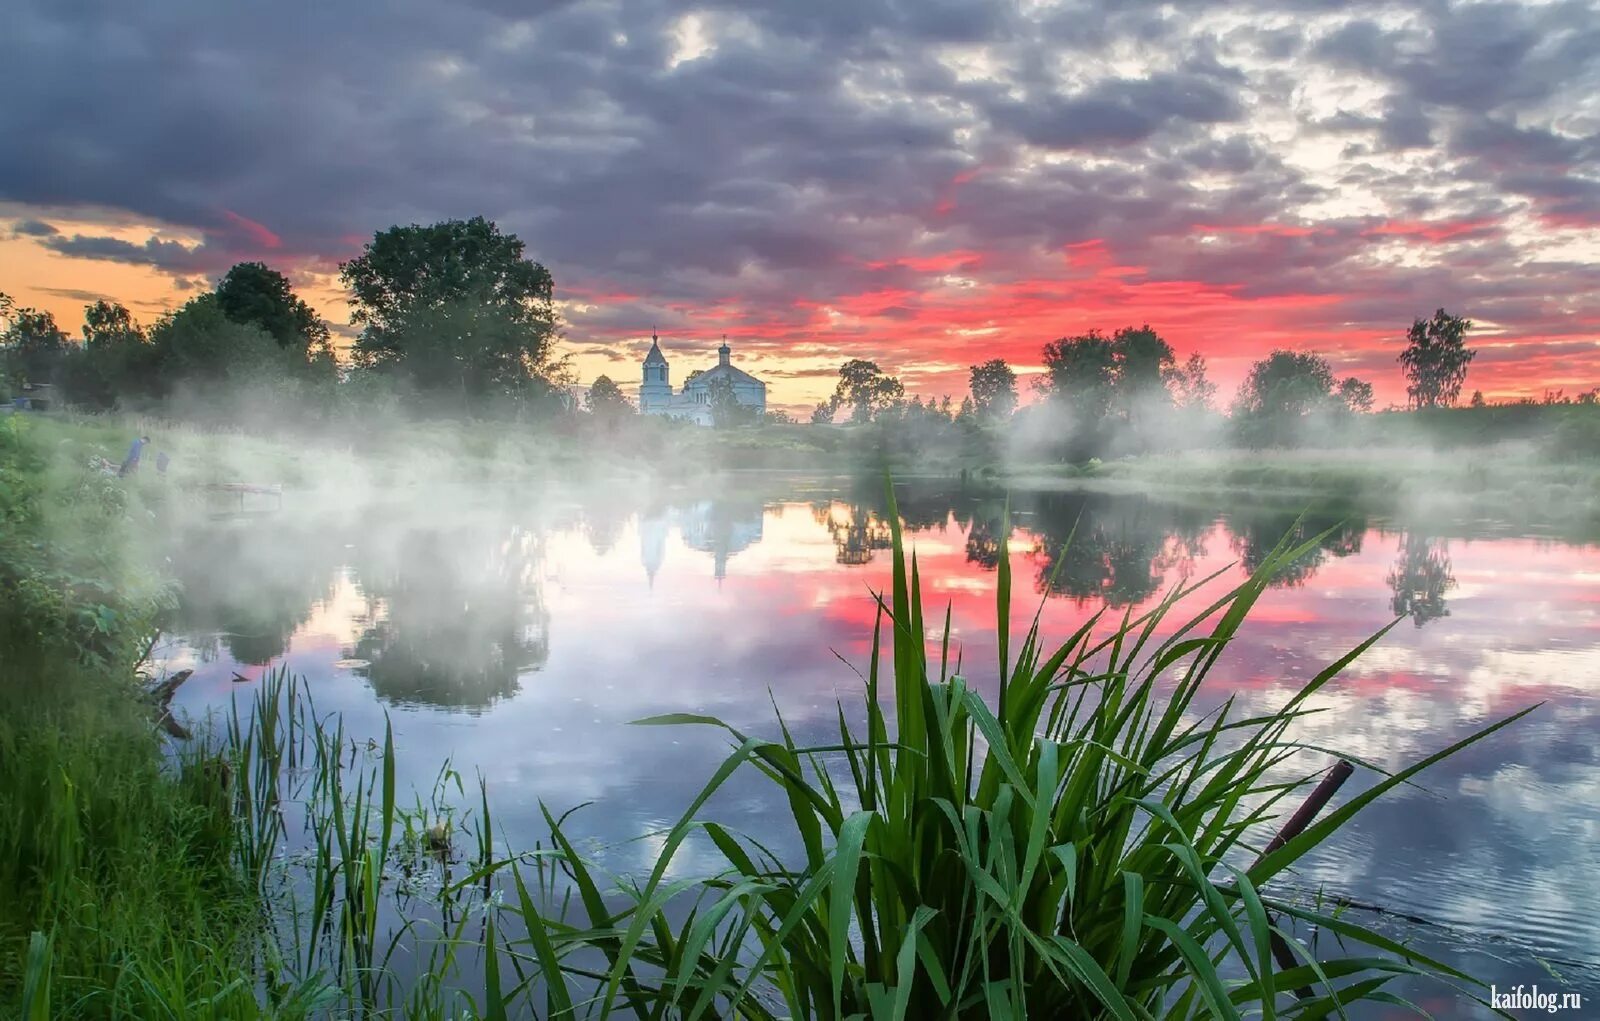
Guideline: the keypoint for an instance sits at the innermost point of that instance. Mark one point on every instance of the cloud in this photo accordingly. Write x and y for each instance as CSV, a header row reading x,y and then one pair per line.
x,y
32,228
908,182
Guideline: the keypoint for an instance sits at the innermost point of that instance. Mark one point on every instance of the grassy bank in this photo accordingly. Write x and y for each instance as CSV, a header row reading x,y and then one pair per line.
x,y
1507,481
116,878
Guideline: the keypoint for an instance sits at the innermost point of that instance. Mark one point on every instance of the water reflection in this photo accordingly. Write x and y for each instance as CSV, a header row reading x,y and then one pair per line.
x,y
1257,533
521,637
246,587
1420,578
451,617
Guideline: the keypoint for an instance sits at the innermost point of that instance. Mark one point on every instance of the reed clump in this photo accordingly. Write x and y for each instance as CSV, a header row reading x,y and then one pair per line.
x,y
1087,846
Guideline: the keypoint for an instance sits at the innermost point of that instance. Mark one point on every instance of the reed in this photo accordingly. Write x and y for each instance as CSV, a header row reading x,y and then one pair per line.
x,y
1081,848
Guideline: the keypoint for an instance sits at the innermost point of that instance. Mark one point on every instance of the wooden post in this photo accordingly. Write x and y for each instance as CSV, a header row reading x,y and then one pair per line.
x,y
1293,828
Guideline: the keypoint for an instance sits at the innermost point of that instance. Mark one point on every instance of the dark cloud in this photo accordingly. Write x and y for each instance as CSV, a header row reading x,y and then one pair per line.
x,y
751,165
33,228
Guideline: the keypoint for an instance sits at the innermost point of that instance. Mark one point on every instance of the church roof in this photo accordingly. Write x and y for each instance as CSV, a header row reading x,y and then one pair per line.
x,y
655,357
731,373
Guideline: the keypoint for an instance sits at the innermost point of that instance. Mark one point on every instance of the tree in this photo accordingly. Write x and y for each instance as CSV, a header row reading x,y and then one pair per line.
x,y
865,389
1286,384
254,293
726,410
116,360
1080,372
1477,399
456,308
1436,359
34,346
1190,387
199,342
109,324
1142,362
994,390
606,400
1355,394
778,416
823,413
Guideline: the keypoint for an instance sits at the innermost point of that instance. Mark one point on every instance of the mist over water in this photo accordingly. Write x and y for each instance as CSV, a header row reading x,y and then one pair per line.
x,y
517,633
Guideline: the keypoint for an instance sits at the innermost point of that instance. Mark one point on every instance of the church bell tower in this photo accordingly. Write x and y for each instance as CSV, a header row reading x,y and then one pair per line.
x,y
655,390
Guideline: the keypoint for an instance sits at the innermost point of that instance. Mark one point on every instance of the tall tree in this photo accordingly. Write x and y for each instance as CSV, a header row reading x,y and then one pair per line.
x,y
866,389
34,346
726,411
1286,384
116,360
456,308
605,399
108,324
254,293
1436,359
823,413
1143,361
199,342
1080,373
994,389
1190,386
1355,394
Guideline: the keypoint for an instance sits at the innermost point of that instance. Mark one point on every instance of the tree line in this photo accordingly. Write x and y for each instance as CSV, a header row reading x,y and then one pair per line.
x,y
455,317
451,316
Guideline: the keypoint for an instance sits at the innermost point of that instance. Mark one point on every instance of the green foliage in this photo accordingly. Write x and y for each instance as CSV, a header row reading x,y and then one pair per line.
x,y
1288,388
33,347
865,389
1435,360
1191,388
456,311
254,294
606,400
726,411
993,387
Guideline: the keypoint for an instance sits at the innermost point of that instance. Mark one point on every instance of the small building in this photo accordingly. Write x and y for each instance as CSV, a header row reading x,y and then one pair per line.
x,y
693,402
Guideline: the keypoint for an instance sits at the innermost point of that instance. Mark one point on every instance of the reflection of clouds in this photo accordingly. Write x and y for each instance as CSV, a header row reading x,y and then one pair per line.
x,y
1502,839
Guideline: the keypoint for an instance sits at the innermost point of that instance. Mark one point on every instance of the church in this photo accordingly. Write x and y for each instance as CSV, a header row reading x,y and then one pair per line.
x,y
694,401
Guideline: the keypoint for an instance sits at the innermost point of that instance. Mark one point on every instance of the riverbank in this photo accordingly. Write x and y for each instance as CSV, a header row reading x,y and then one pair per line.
x,y
1506,482
118,895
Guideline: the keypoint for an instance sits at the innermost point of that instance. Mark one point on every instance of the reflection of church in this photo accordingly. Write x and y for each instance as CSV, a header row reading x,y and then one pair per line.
x,y
721,528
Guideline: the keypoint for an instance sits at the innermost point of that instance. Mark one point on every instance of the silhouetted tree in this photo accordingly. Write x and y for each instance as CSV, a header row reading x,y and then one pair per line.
x,y
1356,394
1436,359
994,390
605,400
1191,388
34,347
865,389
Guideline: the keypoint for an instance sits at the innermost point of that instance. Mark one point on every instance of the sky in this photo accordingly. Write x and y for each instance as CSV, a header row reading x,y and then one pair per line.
x,y
924,183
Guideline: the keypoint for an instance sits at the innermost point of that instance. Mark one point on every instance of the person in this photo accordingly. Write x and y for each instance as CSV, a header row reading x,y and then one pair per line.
x,y
130,464
162,460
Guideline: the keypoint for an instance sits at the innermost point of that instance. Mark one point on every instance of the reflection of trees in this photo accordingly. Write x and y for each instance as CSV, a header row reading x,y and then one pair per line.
x,y
454,615
252,583
857,532
1116,549
1257,533
1420,578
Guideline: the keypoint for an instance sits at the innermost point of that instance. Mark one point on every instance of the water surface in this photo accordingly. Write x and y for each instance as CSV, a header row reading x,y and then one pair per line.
x,y
517,635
